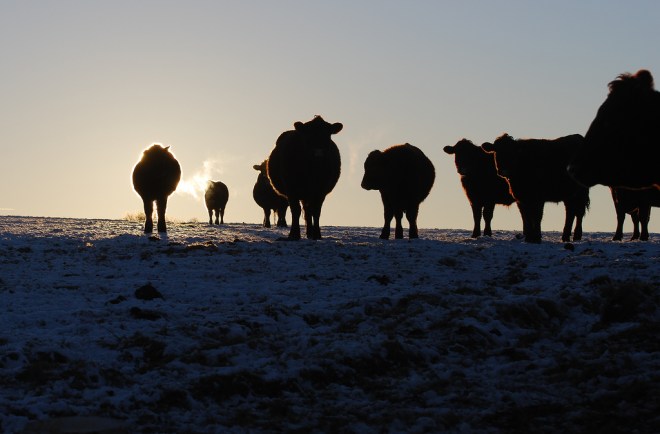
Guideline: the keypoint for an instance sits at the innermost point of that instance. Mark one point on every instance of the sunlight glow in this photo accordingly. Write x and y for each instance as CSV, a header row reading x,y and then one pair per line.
x,y
195,186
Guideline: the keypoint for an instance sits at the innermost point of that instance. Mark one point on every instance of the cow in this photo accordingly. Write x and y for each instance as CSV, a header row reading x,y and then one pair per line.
x,y
304,167
483,187
155,177
536,172
638,204
404,176
216,197
622,145
268,199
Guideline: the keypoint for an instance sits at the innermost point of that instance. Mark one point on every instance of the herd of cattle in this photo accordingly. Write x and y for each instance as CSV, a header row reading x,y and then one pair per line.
x,y
621,149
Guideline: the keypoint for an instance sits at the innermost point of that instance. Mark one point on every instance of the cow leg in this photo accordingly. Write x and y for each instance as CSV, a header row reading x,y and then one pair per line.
x,y
211,216
476,216
411,216
580,211
389,215
620,219
161,206
644,217
577,233
398,230
568,222
314,211
266,217
533,213
634,216
489,209
307,213
294,233
281,217
148,216
521,209
222,216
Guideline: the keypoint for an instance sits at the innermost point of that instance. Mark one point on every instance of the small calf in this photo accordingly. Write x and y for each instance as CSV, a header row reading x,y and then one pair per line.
x,y
216,197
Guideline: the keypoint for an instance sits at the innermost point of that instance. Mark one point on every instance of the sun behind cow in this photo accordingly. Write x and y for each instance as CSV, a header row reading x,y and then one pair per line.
x,y
155,177
404,177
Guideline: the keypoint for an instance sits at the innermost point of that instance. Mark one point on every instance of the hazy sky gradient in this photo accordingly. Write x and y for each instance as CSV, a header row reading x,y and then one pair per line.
x,y
85,86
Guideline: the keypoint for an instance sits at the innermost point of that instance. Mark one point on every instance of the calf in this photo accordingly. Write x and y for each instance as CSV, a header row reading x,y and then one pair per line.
x,y
536,172
268,199
638,204
404,176
483,187
216,197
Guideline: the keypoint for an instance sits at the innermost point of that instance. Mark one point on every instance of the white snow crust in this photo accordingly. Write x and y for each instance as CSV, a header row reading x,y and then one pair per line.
x,y
348,334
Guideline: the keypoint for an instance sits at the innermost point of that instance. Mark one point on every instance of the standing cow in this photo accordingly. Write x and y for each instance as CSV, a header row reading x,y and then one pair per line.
x,y
304,167
638,204
268,199
536,172
404,176
155,177
483,187
622,146
216,197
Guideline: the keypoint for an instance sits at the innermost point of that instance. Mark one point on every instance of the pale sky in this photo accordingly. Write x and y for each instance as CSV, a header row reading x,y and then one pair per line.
x,y
85,86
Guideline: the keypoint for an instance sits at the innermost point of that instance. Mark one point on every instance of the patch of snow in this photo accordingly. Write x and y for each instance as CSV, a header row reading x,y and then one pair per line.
x,y
351,333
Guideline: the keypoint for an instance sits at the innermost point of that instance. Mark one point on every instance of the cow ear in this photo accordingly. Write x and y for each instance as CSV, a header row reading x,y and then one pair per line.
x,y
167,148
257,167
488,147
449,149
336,127
298,125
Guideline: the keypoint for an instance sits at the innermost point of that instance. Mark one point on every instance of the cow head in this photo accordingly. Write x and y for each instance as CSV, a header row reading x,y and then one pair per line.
x,y
508,154
468,157
375,171
622,145
318,127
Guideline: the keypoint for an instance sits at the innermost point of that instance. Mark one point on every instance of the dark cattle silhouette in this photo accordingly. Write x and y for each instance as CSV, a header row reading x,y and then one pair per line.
x,y
622,146
155,177
638,204
216,197
536,172
267,198
404,176
304,166
483,187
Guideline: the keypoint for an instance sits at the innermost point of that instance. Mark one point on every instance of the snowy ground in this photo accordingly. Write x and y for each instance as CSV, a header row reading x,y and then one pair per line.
x,y
347,334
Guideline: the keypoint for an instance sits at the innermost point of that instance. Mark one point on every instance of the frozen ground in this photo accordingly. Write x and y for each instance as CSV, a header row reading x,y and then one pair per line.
x,y
347,334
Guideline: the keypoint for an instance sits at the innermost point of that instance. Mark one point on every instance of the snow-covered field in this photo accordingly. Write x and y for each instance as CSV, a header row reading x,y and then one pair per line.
x,y
347,334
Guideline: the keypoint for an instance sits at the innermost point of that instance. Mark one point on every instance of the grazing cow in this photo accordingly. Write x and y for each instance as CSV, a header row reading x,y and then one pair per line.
x,y
268,199
638,204
404,176
536,172
483,187
622,146
216,197
304,166
155,177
